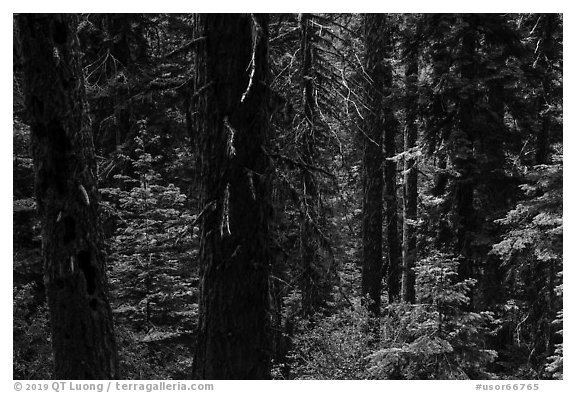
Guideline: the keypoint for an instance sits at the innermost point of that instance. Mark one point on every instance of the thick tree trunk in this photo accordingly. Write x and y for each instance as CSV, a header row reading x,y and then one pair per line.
x,y
67,196
232,125
390,193
372,163
409,252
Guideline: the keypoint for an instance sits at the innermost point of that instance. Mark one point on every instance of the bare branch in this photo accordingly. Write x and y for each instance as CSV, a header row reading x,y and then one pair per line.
x,y
187,46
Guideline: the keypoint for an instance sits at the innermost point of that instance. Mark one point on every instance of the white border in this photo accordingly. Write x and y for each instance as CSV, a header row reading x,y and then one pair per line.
x,y
298,6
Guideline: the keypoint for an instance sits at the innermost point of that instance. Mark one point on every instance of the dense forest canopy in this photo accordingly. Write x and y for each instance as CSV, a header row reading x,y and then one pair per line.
x,y
287,196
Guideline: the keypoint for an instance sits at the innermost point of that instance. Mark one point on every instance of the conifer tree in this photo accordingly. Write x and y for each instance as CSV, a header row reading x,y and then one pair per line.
x,y
67,198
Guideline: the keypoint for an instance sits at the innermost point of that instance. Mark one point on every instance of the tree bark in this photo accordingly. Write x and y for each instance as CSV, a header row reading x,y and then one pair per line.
x,y
409,252
67,195
372,206
232,125
310,210
390,195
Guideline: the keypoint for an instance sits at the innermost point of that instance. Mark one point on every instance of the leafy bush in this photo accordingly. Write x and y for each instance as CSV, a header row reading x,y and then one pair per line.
x,y
332,347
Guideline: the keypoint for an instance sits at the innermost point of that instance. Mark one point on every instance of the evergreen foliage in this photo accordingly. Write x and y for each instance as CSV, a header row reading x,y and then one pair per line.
x,y
458,115
153,270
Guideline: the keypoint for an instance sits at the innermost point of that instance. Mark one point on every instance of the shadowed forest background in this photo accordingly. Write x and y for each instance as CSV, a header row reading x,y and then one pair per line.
x,y
287,196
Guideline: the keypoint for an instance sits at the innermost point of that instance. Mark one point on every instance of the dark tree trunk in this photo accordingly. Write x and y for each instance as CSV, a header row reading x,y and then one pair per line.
x,y
372,163
67,196
545,61
232,126
496,189
543,295
463,154
310,211
438,129
117,27
442,177
409,252
390,195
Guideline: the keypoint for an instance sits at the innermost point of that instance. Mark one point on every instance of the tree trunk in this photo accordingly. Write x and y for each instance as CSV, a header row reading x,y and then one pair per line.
x,y
67,195
390,195
545,61
409,252
310,211
464,161
114,46
232,125
438,128
496,189
372,164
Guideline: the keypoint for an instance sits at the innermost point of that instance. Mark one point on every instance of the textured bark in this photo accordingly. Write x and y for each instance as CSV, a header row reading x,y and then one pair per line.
x,y
390,193
372,163
67,197
232,130
310,210
409,252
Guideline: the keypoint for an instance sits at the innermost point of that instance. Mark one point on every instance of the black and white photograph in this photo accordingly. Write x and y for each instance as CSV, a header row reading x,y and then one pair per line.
x,y
287,196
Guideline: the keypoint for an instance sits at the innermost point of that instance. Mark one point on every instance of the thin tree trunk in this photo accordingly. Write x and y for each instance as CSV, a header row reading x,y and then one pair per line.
x,y
310,213
117,28
497,191
546,58
390,195
409,252
115,46
372,163
67,196
234,338
463,153
439,128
